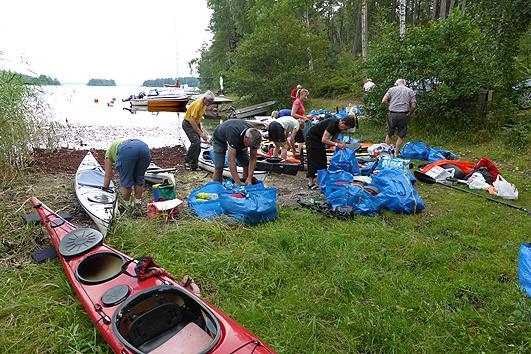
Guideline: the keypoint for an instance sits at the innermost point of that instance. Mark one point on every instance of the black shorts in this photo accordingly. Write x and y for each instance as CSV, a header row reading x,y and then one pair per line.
x,y
276,132
299,137
397,121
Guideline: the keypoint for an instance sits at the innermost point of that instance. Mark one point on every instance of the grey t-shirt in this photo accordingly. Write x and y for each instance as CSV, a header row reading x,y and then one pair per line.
x,y
400,98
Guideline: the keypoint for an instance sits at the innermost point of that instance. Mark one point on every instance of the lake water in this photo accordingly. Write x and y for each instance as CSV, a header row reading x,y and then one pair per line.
x,y
89,124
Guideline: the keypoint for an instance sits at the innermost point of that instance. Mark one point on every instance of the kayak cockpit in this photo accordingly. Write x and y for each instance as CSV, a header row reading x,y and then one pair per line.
x,y
165,319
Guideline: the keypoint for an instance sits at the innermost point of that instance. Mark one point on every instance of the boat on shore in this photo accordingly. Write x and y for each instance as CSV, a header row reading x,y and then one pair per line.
x,y
98,202
136,305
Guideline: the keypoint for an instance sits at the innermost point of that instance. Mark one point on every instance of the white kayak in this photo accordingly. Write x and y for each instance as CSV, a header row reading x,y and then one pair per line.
x,y
156,175
99,204
207,163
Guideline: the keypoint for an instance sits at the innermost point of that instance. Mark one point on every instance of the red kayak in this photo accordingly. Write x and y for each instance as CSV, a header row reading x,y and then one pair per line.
x,y
136,305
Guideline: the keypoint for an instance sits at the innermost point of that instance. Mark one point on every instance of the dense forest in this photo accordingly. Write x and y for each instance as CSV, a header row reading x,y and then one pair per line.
x,y
190,81
455,54
101,82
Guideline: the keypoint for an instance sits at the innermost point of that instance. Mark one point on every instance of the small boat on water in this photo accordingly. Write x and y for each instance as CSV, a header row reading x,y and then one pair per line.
x,y
99,203
163,98
136,305
207,163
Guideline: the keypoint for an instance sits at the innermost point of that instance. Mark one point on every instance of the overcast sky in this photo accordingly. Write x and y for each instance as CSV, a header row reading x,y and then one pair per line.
x,y
128,41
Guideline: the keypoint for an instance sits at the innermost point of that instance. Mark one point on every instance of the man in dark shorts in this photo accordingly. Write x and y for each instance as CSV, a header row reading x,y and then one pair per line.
x,y
401,102
236,136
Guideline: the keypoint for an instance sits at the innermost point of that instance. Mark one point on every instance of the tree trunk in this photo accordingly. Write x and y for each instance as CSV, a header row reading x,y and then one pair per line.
x,y
402,16
356,35
452,5
364,30
442,11
434,9
463,6
310,58
415,12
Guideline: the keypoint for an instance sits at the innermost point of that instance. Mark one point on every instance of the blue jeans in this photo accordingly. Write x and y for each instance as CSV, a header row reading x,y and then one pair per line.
x,y
132,162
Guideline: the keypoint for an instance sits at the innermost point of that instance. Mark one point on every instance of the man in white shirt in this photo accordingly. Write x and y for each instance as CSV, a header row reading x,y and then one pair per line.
x,y
368,85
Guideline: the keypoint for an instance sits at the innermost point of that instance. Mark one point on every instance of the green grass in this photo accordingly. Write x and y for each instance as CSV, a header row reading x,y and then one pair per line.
x,y
441,281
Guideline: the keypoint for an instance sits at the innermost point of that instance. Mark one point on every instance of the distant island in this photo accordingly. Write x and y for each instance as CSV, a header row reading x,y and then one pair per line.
x,y
101,82
190,81
42,80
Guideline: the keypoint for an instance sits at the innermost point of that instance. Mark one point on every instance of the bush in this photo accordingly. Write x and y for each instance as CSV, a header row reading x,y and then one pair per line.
x,y
444,63
515,132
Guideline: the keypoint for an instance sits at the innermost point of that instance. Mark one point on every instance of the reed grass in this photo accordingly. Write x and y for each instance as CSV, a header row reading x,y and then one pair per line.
x,y
23,124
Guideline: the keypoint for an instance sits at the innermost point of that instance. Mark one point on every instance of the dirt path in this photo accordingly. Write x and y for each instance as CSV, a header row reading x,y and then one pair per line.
x,y
66,161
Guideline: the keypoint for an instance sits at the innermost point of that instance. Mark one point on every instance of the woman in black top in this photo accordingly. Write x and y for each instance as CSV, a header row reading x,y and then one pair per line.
x,y
322,134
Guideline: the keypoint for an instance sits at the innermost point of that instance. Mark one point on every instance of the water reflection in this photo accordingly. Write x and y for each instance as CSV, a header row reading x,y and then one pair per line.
x,y
92,117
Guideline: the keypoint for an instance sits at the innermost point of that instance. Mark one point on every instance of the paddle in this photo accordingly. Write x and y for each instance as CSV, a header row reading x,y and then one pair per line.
x,y
424,178
161,170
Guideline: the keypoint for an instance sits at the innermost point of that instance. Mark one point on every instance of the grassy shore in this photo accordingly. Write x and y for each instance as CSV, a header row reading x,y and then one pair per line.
x,y
441,281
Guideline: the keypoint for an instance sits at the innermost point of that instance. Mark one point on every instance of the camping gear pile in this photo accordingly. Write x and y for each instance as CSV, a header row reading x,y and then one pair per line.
x,y
482,175
367,186
248,204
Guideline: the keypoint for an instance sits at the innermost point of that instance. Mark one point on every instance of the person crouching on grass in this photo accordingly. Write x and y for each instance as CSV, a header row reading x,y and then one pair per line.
x,y
236,136
192,128
131,158
279,133
319,136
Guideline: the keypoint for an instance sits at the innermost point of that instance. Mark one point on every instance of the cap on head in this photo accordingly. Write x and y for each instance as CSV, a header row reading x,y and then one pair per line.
x,y
209,95
299,87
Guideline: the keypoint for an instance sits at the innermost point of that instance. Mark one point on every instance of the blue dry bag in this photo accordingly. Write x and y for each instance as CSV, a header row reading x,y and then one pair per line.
x,y
363,202
326,176
209,208
345,159
524,268
415,150
257,206
401,196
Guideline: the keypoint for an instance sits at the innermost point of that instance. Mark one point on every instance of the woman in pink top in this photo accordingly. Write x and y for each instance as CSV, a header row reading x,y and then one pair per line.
x,y
297,112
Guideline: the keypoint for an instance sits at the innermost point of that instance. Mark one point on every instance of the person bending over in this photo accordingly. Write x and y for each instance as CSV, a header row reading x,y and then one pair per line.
x,y
131,158
319,136
282,132
192,128
237,137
